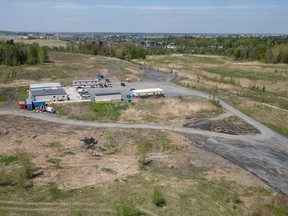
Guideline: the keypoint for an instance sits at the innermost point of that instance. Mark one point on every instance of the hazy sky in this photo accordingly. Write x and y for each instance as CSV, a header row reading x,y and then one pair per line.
x,y
159,16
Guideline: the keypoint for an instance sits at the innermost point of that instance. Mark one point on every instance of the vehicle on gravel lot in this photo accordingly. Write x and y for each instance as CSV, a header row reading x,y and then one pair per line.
x,y
123,84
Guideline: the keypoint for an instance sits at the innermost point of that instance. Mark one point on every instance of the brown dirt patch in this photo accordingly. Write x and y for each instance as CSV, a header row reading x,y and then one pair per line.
x,y
178,111
79,167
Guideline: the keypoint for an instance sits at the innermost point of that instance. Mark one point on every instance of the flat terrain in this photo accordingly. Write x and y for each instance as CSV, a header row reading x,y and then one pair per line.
x,y
42,42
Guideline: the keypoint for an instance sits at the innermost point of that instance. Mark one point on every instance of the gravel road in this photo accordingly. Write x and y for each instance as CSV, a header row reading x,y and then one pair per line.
x,y
264,154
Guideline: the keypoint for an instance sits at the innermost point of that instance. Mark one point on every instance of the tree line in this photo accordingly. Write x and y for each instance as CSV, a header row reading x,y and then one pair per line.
x,y
270,49
125,51
19,53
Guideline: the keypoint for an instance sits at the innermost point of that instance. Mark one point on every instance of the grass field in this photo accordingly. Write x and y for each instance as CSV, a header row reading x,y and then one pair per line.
x,y
245,82
178,111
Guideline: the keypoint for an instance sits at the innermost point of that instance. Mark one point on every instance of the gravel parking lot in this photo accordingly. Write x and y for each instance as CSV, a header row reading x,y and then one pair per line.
x,y
170,89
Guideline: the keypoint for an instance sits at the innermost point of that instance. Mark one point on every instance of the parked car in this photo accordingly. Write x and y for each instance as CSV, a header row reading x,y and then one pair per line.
x,y
93,86
132,89
123,84
107,80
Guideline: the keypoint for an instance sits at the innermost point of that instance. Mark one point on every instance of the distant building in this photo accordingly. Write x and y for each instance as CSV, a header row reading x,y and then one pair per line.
x,y
148,44
171,46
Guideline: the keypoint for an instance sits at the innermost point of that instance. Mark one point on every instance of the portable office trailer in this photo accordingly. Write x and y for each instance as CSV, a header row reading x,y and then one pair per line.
x,y
44,86
157,92
49,95
113,96
84,83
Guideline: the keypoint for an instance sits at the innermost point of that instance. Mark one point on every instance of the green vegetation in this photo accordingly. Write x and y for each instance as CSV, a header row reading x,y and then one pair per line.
x,y
11,94
20,176
54,162
2,98
216,102
251,75
270,49
53,144
101,111
158,197
127,208
66,153
278,211
10,159
19,53
123,51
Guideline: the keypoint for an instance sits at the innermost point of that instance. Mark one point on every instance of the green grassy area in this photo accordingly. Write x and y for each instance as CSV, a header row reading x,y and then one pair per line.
x,y
274,119
63,67
183,60
2,98
94,111
251,75
197,195
13,94
21,175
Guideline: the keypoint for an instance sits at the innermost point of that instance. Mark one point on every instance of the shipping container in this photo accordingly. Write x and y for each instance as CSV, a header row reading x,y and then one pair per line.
x,y
29,104
22,105
39,104
100,76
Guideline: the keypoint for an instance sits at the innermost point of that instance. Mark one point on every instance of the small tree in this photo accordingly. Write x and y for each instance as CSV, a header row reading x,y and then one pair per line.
x,y
158,198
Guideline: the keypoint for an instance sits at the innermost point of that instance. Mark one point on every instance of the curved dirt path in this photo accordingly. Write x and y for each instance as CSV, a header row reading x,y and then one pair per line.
x,y
263,154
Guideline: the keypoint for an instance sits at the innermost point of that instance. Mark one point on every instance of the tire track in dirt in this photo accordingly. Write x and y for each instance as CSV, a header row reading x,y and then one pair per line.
x,y
53,207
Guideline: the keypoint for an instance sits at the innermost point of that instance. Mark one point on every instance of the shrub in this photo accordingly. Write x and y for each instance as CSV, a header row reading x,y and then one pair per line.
x,y
127,208
236,198
158,198
5,178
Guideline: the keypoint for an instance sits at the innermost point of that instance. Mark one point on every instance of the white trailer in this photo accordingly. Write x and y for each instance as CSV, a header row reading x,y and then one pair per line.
x,y
152,92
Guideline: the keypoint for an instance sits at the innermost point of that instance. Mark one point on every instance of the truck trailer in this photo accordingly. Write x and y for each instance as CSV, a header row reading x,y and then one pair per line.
x,y
152,92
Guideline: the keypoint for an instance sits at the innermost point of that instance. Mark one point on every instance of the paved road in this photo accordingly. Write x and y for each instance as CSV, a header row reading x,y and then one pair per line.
x,y
264,154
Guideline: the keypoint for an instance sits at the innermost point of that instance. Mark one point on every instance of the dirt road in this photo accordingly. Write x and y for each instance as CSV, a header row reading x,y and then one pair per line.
x,y
264,154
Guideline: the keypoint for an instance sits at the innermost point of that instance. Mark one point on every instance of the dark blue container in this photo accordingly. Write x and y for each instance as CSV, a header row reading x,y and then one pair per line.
x,y
39,104
100,76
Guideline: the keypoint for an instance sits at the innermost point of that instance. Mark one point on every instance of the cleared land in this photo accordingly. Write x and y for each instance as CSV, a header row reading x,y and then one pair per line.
x,y
94,180
42,42
252,87
66,67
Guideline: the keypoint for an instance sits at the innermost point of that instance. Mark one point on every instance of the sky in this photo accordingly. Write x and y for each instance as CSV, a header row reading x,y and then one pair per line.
x,y
145,16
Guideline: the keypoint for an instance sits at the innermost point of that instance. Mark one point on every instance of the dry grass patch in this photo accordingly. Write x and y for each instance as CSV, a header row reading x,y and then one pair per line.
x,y
169,110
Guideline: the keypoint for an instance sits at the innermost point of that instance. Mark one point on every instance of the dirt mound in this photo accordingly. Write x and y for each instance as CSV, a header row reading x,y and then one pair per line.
x,y
231,125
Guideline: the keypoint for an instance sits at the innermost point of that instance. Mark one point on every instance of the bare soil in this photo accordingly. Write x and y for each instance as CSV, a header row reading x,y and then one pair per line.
x,y
79,167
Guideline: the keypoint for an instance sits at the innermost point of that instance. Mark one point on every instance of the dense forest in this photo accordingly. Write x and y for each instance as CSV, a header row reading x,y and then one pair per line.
x,y
19,53
270,49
